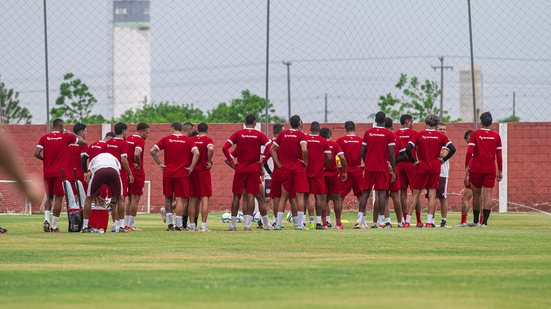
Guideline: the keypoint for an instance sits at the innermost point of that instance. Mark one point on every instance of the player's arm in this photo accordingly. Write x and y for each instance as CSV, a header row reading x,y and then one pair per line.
x,y
38,153
499,158
402,156
137,158
470,151
226,151
364,149
273,153
304,150
126,166
344,165
392,160
409,153
194,160
451,151
84,162
154,154
210,154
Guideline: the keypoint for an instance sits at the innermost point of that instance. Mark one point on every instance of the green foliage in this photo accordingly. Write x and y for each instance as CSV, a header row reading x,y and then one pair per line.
x,y
10,110
239,108
417,99
163,112
75,102
512,118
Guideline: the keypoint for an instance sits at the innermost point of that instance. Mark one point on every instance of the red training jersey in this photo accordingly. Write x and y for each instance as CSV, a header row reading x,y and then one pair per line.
x,y
289,142
249,143
377,140
95,149
317,152
135,142
54,147
117,146
178,154
352,147
336,150
484,148
405,135
75,154
429,143
203,143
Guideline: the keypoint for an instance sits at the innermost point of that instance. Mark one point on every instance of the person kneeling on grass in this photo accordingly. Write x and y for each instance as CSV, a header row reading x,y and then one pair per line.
x,y
103,170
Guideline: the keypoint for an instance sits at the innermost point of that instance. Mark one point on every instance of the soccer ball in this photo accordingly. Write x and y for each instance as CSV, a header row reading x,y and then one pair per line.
x,y
289,217
226,217
256,216
240,217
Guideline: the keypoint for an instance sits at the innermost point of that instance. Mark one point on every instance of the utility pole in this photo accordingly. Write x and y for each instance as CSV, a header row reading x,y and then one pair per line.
x,y
442,67
325,108
475,110
514,104
288,64
266,116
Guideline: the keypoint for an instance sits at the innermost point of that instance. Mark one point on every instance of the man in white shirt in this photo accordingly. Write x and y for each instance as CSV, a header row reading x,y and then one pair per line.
x,y
442,191
103,170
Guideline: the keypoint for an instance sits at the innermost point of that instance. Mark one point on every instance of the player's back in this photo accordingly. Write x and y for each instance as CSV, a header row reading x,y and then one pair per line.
x,y
55,148
405,134
486,144
96,148
377,140
133,142
117,147
203,143
335,149
291,153
178,154
429,143
317,149
74,160
351,146
249,144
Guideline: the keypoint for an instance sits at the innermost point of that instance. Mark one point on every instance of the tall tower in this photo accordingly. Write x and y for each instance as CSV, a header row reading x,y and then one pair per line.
x,y
466,93
131,55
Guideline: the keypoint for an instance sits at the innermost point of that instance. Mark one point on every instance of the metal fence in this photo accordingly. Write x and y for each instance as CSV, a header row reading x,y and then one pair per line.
x,y
328,60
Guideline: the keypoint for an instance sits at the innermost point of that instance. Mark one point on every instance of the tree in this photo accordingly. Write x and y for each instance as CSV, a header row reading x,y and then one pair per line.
x,y
163,112
75,102
512,118
239,108
10,110
417,99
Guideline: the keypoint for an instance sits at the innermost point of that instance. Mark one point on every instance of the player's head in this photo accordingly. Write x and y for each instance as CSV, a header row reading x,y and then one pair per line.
x,y
120,129
176,127
202,127
187,128
441,127
315,127
250,120
406,120
277,128
432,120
380,118
295,121
325,133
80,129
193,133
486,119
350,126
388,123
467,135
57,124
109,136
143,130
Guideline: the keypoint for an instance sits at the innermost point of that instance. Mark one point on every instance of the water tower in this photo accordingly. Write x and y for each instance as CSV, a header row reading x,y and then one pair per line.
x,y
131,55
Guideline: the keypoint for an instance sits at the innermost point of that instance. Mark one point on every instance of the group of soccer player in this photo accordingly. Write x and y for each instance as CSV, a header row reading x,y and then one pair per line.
x,y
309,171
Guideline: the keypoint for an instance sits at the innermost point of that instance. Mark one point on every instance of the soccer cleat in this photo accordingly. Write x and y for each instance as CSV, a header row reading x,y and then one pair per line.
x,y
204,229
400,225
388,225
121,230
483,225
325,227
329,225
277,227
339,227
170,227
430,225
319,226
46,226
420,224
56,230
312,226
443,223
232,229
3,231
375,225
87,229
114,229
462,225
126,227
472,224
268,228
260,225
179,229
274,225
247,229
357,226
163,215
299,228
136,229
406,225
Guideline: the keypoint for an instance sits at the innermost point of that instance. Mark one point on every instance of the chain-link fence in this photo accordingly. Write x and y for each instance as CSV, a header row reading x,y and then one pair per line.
x,y
338,57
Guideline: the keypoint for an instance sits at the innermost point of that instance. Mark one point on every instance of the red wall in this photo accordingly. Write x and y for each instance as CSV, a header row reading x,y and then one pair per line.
x,y
528,172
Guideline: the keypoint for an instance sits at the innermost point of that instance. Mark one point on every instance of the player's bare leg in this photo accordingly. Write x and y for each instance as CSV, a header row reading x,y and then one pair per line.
x,y
477,197
179,211
404,202
195,202
120,215
487,202
337,205
411,206
127,211
465,197
190,214
56,213
431,208
48,201
327,209
418,209
86,210
301,206
395,196
443,211
204,212
234,210
263,209
169,214
379,207
321,203
281,207
361,209
275,204
133,201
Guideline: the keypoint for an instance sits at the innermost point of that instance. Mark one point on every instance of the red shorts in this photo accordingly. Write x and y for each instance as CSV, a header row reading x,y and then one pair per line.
x,y
406,172
295,181
246,181
486,180
136,188
394,186
53,186
426,181
200,184
317,185
353,182
105,176
376,180
333,184
177,186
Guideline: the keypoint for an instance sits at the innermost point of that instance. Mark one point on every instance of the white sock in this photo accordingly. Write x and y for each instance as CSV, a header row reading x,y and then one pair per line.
x,y
47,215
170,218
132,221
328,218
295,220
364,220
203,225
179,221
248,220
381,219
191,226
360,217
85,222
318,219
265,220
300,218
233,221
429,218
408,218
127,220
279,218
312,219
121,223
54,222
387,219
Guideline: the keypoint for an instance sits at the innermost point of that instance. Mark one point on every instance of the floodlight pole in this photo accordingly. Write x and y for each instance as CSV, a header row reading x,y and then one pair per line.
x,y
472,66
46,66
267,64
288,64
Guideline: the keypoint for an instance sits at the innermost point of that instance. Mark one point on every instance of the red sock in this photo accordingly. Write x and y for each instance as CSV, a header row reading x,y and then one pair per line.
x,y
324,220
481,218
405,215
463,218
418,215
339,220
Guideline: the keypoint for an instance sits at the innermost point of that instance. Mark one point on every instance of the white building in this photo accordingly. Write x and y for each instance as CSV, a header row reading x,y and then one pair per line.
x,y
466,93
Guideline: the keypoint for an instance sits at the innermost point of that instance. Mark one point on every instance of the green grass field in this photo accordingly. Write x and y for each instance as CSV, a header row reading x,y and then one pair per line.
x,y
506,265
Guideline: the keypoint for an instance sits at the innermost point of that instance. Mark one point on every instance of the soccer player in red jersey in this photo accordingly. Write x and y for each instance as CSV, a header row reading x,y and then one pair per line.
x,y
52,149
134,152
467,192
247,169
428,144
293,159
377,150
332,179
480,164
95,149
77,157
180,157
319,156
394,186
117,146
200,180
351,145
406,169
